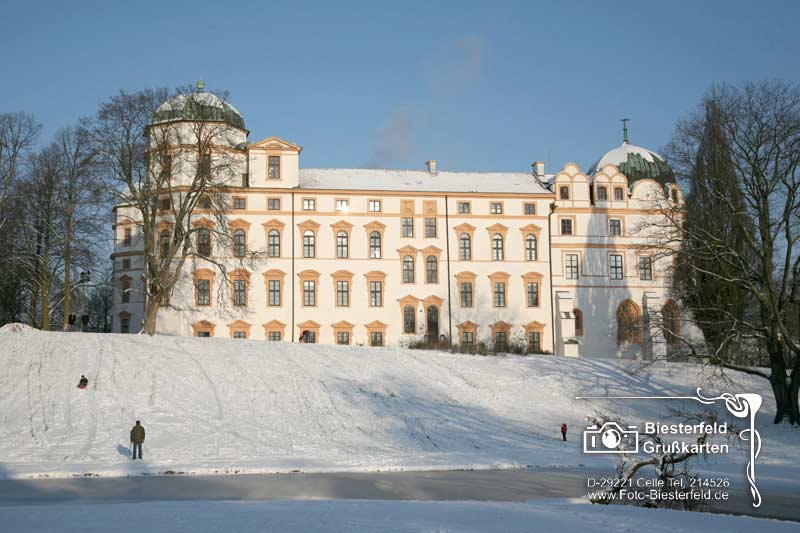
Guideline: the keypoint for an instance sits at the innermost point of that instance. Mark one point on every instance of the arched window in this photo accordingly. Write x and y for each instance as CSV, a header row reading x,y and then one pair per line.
x,y
465,247
239,243
431,270
274,243
578,322
497,247
375,245
672,325
530,248
408,269
309,244
563,192
409,320
629,323
204,242
165,238
342,245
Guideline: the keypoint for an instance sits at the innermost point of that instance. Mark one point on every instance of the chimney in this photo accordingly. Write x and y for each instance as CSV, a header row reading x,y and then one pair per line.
x,y
538,169
431,167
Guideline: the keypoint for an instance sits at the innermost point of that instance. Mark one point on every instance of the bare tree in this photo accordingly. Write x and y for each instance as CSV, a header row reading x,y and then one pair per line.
x,y
173,174
18,134
748,248
81,199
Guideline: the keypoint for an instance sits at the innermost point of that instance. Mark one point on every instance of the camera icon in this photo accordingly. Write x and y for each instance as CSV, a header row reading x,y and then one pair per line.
x,y
610,438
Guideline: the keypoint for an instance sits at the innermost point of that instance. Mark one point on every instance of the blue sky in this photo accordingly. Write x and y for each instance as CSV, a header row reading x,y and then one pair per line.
x,y
477,85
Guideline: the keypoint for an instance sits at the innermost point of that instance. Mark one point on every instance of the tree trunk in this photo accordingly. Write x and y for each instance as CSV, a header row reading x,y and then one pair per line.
x,y
777,379
67,272
151,313
794,389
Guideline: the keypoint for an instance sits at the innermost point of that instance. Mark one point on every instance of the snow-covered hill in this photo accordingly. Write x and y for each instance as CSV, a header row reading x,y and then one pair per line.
x,y
220,405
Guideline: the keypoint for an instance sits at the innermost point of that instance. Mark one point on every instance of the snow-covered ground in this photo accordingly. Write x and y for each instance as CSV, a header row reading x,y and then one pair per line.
x,y
383,516
227,406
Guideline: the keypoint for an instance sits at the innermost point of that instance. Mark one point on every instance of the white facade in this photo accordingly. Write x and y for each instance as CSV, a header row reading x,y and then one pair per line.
x,y
503,220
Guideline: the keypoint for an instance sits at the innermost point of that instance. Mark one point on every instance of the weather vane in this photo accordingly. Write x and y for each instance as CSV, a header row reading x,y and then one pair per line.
x,y
624,129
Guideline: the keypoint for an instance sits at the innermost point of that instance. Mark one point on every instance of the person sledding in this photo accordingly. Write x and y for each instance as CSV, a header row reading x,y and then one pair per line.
x,y
83,383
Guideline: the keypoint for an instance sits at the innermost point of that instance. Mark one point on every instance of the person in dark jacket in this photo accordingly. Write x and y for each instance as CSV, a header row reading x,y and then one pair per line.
x,y
83,383
137,438
564,431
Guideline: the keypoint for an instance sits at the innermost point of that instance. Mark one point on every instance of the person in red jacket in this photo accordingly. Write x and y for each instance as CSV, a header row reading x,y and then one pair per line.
x,y
564,431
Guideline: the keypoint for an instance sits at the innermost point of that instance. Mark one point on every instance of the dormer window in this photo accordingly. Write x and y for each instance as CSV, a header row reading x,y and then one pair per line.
x,y
274,167
602,194
618,194
563,192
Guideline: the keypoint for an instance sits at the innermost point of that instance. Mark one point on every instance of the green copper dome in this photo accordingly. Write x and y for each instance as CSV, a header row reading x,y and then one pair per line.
x,y
637,164
198,106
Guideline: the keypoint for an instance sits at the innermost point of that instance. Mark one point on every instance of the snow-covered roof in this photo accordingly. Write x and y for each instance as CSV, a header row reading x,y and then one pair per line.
x,y
636,163
421,181
198,106
208,99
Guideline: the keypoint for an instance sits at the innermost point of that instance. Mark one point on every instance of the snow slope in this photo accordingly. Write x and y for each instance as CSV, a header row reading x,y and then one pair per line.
x,y
372,516
223,406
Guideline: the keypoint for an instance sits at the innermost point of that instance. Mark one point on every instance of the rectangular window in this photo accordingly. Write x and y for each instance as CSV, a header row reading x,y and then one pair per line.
x,y
499,294
204,334
615,266
496,208
530,209
615,227
500,341
430,228
245,179
376,338
376,294
466,294
203,292
274,167
274,204
463,208
468,338
274,336
239,202
342,205
126,239
571,266
126,263
204,166
239,335
645,267
342,337
274,293
407,225
126,292
166,166
602,194
165,204
309,293
374,206
532,289
566,226
311,337
239,292
204,202
309,204
618,194
534,342
343,293
124,325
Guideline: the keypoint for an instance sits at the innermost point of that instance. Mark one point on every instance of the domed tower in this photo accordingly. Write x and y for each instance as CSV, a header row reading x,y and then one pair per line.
x,y
636,163
199,132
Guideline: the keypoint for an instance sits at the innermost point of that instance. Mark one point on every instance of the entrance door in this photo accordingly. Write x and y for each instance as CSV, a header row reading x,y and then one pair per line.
x,y
433,324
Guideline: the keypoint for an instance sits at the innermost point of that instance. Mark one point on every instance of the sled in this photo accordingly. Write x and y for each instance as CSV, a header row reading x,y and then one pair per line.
x,y
82,386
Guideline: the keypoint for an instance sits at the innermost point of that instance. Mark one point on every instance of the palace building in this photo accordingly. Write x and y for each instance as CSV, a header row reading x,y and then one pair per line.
x,y
555,262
